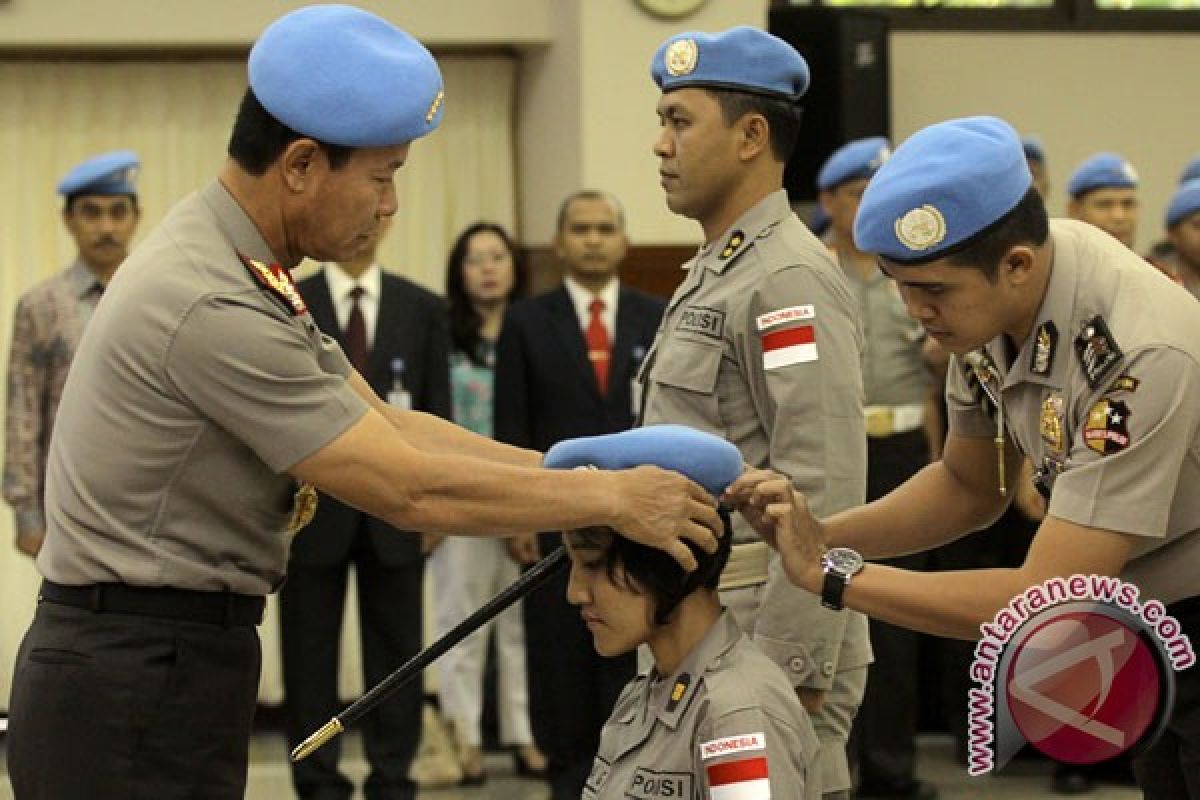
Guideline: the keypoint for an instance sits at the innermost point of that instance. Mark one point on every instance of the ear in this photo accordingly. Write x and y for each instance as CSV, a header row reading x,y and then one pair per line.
x,y
755,136
297,163
825,198
1017,264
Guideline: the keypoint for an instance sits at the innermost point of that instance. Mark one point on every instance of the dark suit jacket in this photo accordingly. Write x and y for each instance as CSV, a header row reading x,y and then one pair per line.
x,y
411,325
545,387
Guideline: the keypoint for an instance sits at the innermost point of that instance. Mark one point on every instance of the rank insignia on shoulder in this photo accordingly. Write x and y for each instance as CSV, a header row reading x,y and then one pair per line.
x,y
277,280
304,507
1106,430
735,241
1044,345
1125,383
679,690
1097,350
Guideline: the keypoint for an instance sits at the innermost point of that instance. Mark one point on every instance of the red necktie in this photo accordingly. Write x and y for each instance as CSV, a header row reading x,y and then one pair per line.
x,y
356,333
598,344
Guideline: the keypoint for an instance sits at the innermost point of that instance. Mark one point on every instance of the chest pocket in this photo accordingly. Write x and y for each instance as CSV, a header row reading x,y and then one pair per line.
x,y
689,365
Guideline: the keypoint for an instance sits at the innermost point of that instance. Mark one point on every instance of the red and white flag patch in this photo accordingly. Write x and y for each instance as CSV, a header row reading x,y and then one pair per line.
x,y
790,346
744,779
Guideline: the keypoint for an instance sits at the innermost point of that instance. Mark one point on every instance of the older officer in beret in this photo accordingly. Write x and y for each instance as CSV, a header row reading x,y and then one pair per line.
x,y
1056,357
715,717
205,405
100,210
1103,191
761,343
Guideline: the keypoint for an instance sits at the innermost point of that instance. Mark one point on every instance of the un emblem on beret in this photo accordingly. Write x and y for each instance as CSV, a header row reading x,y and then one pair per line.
x,y
1129,172
921,228
680,57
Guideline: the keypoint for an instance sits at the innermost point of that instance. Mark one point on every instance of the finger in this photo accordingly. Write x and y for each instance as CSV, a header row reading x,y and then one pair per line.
x,y
683,554
748,480
773,491
778,511
705,527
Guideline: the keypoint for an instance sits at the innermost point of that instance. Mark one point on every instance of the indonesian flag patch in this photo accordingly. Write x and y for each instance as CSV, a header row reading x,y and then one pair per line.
x,y
744,779
789,346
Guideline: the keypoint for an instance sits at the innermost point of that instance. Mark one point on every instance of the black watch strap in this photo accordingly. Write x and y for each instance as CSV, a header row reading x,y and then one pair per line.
x,y
832,590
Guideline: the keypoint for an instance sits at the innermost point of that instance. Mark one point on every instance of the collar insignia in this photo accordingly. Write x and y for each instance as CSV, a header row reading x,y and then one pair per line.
x,y
735,241
1044,346
679,690
278,281
1097,350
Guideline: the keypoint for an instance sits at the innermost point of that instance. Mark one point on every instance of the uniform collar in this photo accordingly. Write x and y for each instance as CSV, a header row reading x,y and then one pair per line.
x,y
1045,355
758,220
236,224
82,280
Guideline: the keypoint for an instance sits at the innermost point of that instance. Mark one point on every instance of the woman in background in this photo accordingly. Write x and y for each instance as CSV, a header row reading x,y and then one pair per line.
x,y
483,275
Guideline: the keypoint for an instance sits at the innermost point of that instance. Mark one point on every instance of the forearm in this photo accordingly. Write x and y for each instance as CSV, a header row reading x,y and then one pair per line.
x,y
431,434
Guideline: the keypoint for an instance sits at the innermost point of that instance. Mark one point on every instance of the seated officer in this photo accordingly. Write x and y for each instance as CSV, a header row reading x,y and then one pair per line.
x,y
1103,192
714,712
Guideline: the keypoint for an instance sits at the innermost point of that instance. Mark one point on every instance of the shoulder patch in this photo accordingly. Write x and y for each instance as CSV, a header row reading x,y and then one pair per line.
x,y
728,745
278,281
782,315
1106,430
1097,350
744,779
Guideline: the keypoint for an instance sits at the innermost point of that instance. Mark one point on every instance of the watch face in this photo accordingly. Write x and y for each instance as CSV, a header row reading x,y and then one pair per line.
x,y
843,561
671,8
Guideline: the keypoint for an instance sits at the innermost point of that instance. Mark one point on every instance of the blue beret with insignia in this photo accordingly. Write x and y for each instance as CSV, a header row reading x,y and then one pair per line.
x,y
1192,171
346,77
106,174
1184,203
1033,149
1102,171
708,460
860,158
942,186
742,59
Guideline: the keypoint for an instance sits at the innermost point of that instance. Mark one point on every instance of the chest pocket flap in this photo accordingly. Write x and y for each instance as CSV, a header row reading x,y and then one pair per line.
x,y
689,365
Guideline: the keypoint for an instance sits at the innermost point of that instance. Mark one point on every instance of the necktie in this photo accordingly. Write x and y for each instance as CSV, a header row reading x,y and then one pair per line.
x,y
598,345
356,333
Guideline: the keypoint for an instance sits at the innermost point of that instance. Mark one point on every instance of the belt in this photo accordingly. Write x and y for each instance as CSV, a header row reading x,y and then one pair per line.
x,y
891,420
747,566
215,608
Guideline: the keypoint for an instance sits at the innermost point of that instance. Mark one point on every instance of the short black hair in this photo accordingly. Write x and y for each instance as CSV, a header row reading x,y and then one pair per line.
x,y
1026,223
258,139
653,572
783,116
590,194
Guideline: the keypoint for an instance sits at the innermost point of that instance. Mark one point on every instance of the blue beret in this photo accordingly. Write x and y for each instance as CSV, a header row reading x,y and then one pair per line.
x,y
860,158
1102,171
742,58
708,460
1184,203
942,186
110,173
1033,149
346,77
1192,171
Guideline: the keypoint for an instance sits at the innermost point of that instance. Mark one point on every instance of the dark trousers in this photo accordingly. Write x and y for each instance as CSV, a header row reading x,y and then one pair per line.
x,y
572,689
108,705
1170,769
389,606
882,739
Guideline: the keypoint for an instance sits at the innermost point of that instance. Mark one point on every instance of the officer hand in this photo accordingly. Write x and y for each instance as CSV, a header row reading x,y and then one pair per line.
x,y
30,542
523,549
663,509
786,524
737,497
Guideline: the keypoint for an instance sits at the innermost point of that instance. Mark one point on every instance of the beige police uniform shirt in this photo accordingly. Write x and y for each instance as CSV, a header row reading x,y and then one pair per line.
x,y
1103,398
726,723
195,388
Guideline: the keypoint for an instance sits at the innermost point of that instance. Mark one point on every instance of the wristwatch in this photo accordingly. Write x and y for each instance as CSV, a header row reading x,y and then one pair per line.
x,y
840,565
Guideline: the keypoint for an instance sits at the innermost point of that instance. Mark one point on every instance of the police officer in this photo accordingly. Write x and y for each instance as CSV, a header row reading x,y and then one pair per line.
x,y
203,392
1035,158
1183,232
898,396
101,213
761,344
1103,191
1054,353
714,718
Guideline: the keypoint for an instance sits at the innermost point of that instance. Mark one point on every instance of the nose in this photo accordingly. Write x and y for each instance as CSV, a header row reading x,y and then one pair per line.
x,y
918,310
662,145
388,205
577,592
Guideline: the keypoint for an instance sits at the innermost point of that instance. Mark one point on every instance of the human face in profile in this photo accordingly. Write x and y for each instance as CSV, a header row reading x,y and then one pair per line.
x,y
618,616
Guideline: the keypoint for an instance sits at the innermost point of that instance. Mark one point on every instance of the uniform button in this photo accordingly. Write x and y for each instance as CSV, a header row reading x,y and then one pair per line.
x,y
796,663
827,669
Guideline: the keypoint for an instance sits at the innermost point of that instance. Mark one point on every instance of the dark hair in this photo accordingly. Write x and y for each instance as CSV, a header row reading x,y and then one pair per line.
x,y
783,117
465,321
652,572
69,202
1027,223
258,139
589,194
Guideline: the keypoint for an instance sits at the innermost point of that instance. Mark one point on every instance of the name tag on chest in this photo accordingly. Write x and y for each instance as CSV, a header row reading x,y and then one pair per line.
x,y
704,321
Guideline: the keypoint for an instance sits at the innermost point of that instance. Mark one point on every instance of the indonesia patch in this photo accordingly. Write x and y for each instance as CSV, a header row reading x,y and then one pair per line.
x,y
791,346
729,745
744,779
790,314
